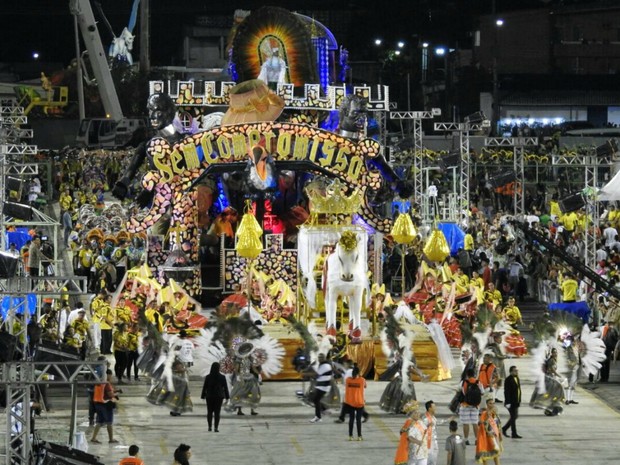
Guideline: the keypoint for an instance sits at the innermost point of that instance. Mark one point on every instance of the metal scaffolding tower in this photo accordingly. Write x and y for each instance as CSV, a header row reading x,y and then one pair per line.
x,y
418,160
463,130
591,162
518,144
18,378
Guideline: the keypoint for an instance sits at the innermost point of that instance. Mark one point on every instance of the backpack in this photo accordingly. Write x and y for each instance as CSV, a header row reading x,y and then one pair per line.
x,y
473,395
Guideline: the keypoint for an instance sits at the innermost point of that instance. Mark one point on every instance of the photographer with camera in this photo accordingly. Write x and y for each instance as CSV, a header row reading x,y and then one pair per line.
x,y
105,398
301,362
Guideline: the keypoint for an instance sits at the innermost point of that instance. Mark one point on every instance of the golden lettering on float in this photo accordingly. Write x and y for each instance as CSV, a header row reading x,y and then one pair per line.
x,y
207,149
162,167
284,144
223,145
329,147
191,157
333,153
253,137
301,148
239,145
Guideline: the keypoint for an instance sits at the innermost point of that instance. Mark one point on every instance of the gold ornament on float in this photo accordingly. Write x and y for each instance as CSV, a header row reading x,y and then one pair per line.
x,y
249,243
436,248
404,231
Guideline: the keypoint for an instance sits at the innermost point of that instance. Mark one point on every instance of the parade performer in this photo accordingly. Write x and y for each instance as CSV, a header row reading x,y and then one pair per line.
x,y
548,392
489,441
397,345
172,389
412,409
246,389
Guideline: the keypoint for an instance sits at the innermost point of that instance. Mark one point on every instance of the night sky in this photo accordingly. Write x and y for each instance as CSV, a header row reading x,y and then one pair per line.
x,y
46,26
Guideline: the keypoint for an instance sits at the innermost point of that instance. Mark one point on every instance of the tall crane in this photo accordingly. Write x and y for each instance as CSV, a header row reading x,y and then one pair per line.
x,y
115,129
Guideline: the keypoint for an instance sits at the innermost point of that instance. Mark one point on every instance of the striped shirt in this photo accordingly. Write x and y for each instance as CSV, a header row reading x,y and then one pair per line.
x,y
324,377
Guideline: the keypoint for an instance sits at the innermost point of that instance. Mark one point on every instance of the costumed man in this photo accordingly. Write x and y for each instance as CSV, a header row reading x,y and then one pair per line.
x,y
512,314
492,297
430,422
574,363
498,356
103,314
412,410
80,327
397,343
418,443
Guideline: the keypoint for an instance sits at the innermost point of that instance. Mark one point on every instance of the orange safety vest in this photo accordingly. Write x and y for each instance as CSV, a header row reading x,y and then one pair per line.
x,y
486,376
98,394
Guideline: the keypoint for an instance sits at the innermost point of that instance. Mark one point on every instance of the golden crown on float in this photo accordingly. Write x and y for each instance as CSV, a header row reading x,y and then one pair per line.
x,y
330,197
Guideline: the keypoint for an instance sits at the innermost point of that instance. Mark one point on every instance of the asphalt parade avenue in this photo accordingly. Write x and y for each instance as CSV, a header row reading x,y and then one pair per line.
x,y
282,434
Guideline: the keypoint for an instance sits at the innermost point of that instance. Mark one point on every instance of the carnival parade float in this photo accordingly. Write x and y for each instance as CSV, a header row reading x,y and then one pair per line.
x,y
278,193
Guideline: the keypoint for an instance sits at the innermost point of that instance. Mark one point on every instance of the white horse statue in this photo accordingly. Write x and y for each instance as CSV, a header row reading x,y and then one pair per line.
x,y
345,274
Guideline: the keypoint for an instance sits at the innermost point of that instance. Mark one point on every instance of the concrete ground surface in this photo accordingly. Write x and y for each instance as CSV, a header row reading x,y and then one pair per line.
x,y
282,434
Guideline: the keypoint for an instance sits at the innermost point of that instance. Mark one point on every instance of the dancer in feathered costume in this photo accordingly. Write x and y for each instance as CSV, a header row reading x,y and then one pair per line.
x,y
567,347
397,345
159,360
243,352
548,390
584,351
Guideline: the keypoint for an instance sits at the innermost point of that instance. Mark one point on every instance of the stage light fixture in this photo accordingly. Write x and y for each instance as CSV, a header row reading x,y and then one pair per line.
x,y
502,179
608,148
450,160
572,202
17,210
475,118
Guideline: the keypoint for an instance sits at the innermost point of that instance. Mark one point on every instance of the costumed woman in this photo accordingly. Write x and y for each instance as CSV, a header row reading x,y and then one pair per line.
x,y
489,440
246,389
172,389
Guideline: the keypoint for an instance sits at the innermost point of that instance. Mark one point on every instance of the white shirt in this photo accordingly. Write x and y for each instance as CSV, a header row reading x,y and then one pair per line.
x,y
610,235
186,349
74,314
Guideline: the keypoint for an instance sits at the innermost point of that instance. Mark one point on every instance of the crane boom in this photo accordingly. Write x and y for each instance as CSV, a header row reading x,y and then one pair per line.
x,y
83,11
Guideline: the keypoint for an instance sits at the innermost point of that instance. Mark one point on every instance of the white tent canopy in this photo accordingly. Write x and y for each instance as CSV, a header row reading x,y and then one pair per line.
x,y
611,190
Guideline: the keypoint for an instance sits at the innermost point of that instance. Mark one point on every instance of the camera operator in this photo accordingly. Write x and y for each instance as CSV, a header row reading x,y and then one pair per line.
x,y
301,361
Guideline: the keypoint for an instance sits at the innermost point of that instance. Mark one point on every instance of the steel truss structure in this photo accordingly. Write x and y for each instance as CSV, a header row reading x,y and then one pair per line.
x,y
419,189
463,130
518,144
18,378
590,162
